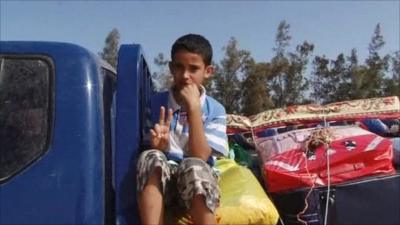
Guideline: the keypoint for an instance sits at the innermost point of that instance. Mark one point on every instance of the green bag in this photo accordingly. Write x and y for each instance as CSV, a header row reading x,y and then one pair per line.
x,y
241,156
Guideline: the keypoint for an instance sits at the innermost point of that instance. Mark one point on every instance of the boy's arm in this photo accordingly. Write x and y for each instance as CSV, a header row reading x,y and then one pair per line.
x,y
197,143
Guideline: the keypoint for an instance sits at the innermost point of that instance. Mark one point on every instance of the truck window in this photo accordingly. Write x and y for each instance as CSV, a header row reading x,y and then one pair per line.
x,y
25,111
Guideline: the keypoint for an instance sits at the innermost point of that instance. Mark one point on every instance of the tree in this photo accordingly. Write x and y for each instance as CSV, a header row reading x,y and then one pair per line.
x,y
319,80
110,50
163,78
338,81
347,88
227,78
280,64
255,95
392,85
345,79
376,66
287,81
332,78
295,84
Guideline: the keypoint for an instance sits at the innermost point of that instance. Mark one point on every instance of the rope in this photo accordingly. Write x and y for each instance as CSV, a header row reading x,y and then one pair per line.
x,y
308,194
329,188
320,136
329,177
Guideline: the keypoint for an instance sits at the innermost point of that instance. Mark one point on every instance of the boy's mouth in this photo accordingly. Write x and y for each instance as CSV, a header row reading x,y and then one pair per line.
x,y
176,88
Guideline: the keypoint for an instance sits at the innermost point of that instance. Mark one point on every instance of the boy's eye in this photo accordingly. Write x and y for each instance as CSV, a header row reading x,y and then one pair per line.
x,y
176,66
193,68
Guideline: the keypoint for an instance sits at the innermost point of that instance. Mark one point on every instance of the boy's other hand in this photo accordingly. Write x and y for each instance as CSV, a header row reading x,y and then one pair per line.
x,y
160,132
190,95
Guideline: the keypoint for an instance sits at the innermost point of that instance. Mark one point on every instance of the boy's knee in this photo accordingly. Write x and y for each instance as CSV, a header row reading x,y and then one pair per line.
x,y
150,155
152,167
196,180
193,164
194,170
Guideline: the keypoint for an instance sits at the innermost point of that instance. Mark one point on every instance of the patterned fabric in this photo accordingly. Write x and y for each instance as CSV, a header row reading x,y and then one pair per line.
x,y
196,177
148,161
385,107
180,182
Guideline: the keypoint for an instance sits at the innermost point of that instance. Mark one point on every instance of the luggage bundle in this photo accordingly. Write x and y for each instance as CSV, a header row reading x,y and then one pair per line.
x,y
243,200
326,164
300,158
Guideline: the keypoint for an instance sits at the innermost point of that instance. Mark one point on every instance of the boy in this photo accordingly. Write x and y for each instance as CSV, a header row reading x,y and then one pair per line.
x,y
184,142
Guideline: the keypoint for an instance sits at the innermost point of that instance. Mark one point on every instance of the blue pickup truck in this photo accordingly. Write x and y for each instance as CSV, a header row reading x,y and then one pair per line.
x,y
66,119
71,128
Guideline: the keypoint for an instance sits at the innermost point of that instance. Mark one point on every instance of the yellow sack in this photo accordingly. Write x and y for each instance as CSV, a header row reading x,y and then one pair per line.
x,y
243,200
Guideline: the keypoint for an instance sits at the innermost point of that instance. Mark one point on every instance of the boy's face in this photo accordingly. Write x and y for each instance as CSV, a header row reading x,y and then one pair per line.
x,y
189,68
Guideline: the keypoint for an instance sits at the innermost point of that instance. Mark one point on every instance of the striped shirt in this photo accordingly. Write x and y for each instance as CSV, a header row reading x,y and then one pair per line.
x,y
214,123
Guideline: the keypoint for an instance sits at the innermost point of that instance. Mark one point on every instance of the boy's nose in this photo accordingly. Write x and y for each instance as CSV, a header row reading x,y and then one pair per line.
x,y
186,75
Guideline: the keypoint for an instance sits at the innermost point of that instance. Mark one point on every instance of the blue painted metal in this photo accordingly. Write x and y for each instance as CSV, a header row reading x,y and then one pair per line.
x,y
66,185
134,88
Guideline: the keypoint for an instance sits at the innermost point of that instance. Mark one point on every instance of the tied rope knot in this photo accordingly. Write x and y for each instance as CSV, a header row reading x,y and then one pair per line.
x,y
318,137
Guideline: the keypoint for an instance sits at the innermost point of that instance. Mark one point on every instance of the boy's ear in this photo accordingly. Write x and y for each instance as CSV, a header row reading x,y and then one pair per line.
x,y
209,71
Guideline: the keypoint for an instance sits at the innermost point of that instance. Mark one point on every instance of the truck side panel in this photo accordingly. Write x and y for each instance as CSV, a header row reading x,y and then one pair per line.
x,y
134,89
65,185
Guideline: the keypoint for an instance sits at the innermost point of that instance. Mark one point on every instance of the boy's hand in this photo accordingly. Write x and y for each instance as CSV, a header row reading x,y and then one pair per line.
x,y
160,132
190,96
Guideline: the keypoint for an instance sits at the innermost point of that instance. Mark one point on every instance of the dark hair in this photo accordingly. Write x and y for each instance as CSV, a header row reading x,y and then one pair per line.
x,y
193,43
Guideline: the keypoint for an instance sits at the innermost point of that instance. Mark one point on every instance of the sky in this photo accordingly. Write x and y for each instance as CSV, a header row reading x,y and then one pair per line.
x,y
334,27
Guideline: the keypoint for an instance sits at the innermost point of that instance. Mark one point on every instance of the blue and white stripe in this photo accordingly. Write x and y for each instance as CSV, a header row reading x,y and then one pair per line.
x,y
214,121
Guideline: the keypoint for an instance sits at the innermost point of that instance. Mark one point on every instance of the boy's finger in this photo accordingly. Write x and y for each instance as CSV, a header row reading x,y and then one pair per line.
x,y
153,133
162,115
169,119
158,130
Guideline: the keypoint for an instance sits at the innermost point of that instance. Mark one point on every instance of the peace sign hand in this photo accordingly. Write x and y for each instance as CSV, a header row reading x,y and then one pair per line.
x,y
160,132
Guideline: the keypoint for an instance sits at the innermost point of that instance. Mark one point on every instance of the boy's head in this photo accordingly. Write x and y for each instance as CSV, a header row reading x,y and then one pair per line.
x,y
190,63
193,43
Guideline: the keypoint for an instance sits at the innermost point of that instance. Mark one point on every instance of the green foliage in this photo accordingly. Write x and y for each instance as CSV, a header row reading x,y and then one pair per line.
x,y
163,78
287,80
247,87
110,50
319,83
227,78
282,39
376,66
330,79
255,94
392,84
345,79
295,82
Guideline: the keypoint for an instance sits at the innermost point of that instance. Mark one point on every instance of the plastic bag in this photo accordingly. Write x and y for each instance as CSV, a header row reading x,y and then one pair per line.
x,y
242,157
243,200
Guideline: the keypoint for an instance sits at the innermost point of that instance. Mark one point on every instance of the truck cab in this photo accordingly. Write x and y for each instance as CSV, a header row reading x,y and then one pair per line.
x,y
62,123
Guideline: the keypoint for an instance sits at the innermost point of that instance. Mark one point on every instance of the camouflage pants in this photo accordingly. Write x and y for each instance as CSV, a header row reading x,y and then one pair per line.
x,y
179,182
